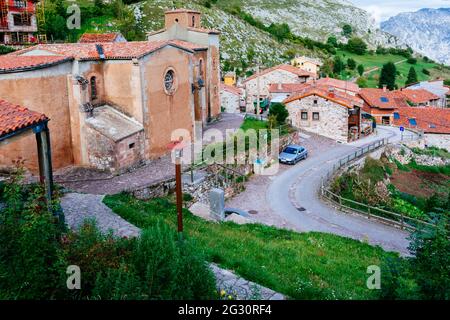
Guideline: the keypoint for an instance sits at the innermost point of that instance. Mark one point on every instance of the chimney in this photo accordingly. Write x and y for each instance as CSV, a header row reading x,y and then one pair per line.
x,y
280,87
384,87
100,51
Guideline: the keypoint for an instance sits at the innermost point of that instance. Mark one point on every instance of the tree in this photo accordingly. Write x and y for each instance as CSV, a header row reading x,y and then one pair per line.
x,y
360,70
362,82
388,76
351,64
338,65
332,41
279,111
357,45
412,76
412,60
347,30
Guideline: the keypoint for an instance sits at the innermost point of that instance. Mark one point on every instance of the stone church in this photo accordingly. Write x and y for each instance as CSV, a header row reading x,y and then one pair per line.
x,y
113,105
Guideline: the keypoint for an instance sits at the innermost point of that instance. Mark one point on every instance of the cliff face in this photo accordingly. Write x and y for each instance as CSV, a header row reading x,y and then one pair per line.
x,y
426,31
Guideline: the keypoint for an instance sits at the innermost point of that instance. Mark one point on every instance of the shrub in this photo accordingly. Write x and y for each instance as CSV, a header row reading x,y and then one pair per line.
x,y
160,267
357,45
279,111
351,64
361,69
362,82
412,60
426,72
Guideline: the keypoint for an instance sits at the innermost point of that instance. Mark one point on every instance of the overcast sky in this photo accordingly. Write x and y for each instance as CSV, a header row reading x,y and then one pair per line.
x,y
383,9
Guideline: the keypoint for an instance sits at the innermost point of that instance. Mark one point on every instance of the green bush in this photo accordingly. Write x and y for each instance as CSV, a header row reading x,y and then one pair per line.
x,y
279,111
160,267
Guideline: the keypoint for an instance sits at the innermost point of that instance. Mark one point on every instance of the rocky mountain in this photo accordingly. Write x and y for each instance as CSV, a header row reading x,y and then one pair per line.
x,y
426,31
318,19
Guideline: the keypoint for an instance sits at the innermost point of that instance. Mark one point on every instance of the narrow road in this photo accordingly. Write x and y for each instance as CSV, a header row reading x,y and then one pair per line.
x,y
299,188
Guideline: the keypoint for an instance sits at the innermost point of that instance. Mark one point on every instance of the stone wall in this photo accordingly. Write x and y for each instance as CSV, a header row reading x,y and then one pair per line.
x,y
438,140
230,102
333,118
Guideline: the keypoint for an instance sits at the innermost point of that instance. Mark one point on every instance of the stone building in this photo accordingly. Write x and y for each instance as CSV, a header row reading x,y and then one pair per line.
x,y
382,103
185,25
307,64
282,74
420,98
438,88
327,112
113,104
231,98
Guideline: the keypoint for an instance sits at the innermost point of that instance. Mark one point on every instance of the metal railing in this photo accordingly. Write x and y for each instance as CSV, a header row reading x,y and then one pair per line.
x,y
347,205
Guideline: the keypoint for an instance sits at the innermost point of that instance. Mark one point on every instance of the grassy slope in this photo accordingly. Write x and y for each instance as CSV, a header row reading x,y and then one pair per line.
x,y
302,266
377,61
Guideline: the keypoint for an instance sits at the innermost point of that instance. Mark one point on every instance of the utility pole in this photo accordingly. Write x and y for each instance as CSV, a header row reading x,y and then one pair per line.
x,y
177,147
258,90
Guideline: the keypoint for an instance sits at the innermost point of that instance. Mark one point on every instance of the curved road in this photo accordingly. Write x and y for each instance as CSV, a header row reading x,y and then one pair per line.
x,y
299,188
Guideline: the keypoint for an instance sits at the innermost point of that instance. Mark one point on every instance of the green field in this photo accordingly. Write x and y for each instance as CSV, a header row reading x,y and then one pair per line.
x,y
377,61
302,266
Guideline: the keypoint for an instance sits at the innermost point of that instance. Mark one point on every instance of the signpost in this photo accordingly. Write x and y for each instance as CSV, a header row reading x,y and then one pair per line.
x,y
402,129
177,147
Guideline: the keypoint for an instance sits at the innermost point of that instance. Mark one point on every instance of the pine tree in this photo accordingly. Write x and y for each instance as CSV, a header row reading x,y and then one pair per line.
x,y
412,76
388,76
361,70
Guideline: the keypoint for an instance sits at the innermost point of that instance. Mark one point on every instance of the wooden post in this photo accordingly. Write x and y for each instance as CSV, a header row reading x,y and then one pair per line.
x,y
179,192
45,160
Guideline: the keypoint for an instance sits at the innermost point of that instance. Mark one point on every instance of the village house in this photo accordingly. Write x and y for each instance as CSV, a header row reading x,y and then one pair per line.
x,y
259,84
102,37
327,112
420,98
185,25
382,103
278,92
113,104
433,122
347,87
307,64
436,87
231,99
230,78
17,21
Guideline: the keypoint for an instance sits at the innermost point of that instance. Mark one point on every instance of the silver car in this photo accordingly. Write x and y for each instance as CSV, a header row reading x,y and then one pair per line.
x,y
293,154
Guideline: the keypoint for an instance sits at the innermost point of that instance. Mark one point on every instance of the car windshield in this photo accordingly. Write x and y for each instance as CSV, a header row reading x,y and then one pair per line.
x,y
290,150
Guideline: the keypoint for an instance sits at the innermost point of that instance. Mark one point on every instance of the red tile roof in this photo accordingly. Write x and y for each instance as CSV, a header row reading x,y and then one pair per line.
x,y
203,30
230,89
188,45
181,10
9,63
428,119
418,96
338,97
98,37
14,117
112,50
285,67
378,98
340,84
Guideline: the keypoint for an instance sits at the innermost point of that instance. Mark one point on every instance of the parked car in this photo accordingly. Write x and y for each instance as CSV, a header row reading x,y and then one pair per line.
x,y
293,154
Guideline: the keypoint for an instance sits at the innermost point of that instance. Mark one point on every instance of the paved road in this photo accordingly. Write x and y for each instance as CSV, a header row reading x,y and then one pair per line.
x,y
299,187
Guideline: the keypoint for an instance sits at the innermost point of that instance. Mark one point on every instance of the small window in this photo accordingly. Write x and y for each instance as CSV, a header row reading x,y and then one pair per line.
x,y
169,81
384,99
316,116
93,88
193,21
315,101
176,20
412,122
200,68
304,115
131,145
396,116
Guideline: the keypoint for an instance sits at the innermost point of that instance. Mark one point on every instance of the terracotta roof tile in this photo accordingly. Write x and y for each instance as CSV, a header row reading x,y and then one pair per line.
x,y
231,89
378,98
98,37
427,119
10,63
14,117
112,50
188,45
285,67
340,84
328,93
419,95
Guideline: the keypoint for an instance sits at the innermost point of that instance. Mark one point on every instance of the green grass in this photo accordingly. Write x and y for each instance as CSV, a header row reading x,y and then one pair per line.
x,y
302,266
255,124
432,151
378,60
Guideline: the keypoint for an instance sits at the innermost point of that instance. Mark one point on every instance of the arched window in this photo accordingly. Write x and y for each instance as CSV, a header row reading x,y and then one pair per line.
x,y
169,82
193,21
200,68
93,88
